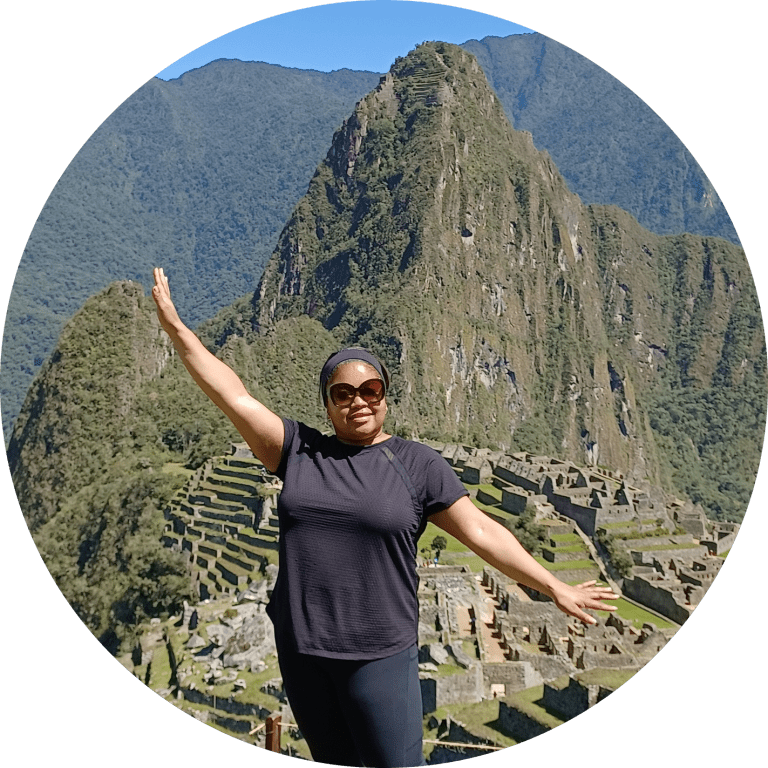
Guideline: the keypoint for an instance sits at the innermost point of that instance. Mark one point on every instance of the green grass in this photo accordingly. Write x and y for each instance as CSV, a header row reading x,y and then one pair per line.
x,y
448,670
637,615
525,702
481,719
652,548
564,550
491,490
568,565
454,545
475,563
610,678
494,511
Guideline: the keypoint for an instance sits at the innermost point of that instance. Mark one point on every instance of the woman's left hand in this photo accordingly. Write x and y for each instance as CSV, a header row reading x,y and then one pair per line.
x,y
575,600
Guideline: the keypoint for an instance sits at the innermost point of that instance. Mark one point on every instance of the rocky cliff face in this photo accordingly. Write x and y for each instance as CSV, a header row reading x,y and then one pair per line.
x,y
441,237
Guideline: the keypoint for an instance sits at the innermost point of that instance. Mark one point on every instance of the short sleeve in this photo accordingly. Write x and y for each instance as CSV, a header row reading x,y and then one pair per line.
x,y
289,447
442,486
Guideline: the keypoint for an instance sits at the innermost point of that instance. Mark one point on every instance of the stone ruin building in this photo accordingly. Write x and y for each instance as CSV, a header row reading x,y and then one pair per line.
x,y
654,530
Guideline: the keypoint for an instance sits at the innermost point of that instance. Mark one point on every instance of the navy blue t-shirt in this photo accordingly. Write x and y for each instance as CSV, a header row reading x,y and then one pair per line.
x,y
350,517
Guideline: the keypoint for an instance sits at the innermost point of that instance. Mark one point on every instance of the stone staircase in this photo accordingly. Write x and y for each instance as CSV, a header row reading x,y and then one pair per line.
x,y
224,519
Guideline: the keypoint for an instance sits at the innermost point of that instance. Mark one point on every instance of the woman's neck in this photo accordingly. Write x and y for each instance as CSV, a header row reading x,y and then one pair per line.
x,y
379,438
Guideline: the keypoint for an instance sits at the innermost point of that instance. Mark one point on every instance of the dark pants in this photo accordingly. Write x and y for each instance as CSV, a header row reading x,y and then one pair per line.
x,y
361,713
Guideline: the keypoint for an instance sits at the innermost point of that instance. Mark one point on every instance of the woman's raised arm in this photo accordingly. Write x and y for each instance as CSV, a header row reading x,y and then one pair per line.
x,y
262,429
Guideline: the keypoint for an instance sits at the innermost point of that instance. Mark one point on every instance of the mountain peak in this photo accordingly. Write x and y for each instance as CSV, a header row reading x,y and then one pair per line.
x,y
412,175
509,312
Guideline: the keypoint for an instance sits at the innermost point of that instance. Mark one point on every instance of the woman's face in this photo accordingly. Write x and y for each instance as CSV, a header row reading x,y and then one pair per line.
x,y
359,422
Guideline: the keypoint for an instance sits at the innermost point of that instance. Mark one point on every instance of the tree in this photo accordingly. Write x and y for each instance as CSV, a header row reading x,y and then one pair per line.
x,y
439,543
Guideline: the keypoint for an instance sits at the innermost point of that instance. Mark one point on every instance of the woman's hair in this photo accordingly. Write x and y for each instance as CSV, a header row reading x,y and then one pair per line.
x,y
347,355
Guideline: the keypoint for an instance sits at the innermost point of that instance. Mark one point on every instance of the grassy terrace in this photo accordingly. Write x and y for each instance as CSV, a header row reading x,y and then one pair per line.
x,y
637,615
457,554
628,524
220,512
567,565
568,549
160,677
665,547
491,490
481,719
610,678
527,702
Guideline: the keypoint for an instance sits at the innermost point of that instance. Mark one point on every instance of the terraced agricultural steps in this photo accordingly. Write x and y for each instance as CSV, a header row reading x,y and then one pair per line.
x,y
224,518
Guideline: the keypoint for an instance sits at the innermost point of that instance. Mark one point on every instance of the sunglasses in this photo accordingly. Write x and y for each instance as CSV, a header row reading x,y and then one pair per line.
x,y
372,391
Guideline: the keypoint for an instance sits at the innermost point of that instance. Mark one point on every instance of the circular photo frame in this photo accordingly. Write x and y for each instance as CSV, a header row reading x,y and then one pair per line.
x,y
100,703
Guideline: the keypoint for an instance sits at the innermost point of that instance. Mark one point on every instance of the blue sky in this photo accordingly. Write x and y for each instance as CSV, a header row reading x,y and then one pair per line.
x,y
367,35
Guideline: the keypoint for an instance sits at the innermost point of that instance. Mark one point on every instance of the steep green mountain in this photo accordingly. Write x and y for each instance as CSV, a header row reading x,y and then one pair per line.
x,y
200,173
609,145
511,313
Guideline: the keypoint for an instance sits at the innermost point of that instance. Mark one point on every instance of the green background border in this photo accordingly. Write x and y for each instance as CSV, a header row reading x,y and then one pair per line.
x,y
68,65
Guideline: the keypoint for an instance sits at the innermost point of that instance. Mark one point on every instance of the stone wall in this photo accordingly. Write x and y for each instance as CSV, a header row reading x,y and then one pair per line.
x,y
464,686
230,706
571,700
515,675
513,473
235,726
513,500
659,597
592,659
519,725
456,732
550,667
722,540
686,554
583,515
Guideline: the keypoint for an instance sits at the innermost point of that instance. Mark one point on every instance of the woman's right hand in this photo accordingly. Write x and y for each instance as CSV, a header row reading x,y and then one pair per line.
x,y
161,293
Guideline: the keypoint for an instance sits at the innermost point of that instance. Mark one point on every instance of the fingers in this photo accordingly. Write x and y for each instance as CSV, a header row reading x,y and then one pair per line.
x,y
583,616
161,288
595,592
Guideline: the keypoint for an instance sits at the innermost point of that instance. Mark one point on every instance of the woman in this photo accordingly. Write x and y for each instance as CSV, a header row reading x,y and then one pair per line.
x,y
351,510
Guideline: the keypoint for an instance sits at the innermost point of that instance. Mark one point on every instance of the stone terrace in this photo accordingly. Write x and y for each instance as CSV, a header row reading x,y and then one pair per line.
x,y
224,519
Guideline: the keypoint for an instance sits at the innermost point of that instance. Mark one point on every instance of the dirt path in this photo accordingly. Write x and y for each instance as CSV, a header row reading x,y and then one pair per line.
x,y
494,651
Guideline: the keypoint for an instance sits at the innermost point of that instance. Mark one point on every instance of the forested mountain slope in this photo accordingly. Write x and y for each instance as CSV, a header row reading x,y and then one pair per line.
x,y
198,173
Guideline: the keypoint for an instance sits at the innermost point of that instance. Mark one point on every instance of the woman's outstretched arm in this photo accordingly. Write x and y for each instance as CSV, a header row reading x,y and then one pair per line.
x,y
499,548
262,429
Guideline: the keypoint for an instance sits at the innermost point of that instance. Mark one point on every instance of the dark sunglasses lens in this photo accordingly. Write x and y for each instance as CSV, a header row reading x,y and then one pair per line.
x,y
372,391
341,394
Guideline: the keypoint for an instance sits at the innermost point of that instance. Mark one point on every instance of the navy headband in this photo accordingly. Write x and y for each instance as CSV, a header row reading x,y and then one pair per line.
x,y
348,354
